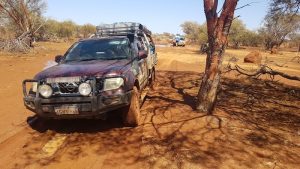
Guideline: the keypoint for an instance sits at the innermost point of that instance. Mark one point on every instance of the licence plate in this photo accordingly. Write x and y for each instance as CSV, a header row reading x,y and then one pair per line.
x,y
66,110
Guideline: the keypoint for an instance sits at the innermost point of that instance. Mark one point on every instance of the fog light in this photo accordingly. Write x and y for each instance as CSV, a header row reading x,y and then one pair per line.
x,y
45,90
85,89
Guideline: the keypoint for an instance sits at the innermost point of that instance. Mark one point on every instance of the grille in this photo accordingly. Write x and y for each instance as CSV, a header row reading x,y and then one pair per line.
x,y
71,88
68,88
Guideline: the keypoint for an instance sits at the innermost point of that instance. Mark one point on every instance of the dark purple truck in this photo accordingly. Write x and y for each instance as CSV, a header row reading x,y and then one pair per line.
x,y
94,77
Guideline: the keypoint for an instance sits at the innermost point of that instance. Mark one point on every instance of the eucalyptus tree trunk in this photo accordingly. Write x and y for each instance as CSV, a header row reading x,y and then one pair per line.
x,y
217,29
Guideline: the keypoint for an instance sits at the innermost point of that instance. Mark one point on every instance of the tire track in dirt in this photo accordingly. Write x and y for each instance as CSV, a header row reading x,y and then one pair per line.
x,y
30,147
75,144
12,147
12,132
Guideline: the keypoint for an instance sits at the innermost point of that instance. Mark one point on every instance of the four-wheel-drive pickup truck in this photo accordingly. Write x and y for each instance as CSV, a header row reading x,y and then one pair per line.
x,y
106,72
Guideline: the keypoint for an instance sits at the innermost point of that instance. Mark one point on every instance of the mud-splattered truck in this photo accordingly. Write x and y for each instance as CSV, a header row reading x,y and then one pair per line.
x,y
109,71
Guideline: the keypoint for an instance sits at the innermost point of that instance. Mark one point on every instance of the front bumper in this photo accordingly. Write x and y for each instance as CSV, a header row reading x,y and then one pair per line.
x,y
88,107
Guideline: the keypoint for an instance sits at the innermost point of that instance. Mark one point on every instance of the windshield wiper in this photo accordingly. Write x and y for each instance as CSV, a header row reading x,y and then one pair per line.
x,y
88,59
79,60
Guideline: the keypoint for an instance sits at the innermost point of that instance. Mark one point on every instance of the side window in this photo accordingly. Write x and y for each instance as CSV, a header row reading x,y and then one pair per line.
x,y
142,42
152,46
135,48
140,46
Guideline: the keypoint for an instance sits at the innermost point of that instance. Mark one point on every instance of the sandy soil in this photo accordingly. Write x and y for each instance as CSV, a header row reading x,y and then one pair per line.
x,y
256,123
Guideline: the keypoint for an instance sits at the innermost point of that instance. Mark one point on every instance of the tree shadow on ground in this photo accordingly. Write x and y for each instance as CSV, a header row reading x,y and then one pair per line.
x,y
255,125
67,126
250,124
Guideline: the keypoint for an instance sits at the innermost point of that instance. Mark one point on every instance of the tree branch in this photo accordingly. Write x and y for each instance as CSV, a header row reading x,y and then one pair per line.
x,y
263,70
249,4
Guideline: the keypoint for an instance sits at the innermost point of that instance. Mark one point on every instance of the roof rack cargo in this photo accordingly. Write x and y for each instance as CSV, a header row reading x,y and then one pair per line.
x,y
121,28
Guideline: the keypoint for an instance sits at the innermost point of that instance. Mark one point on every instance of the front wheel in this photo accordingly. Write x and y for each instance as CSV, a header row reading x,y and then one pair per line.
x,y
39,123
131,116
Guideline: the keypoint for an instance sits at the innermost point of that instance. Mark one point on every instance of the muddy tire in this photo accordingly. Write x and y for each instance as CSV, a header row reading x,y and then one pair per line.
x,y
39,124
131,114
152,80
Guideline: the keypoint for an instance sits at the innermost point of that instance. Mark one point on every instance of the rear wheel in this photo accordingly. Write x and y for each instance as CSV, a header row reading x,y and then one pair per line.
x,y
131,116
152,79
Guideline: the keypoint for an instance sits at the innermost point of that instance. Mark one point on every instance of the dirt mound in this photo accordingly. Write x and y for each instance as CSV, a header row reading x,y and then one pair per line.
x,y
253,57
274,51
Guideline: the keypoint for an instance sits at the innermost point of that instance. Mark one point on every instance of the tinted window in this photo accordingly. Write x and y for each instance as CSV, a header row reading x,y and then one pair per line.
x,y
104,49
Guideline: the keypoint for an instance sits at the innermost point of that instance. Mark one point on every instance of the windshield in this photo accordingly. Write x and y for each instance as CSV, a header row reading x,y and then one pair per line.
x,y
104,49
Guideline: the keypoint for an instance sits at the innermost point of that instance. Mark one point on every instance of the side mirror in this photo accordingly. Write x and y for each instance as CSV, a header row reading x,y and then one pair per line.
x,y
143,54
58,58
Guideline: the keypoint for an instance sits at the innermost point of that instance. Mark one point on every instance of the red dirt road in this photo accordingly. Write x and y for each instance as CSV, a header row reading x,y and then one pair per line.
x,y
256,123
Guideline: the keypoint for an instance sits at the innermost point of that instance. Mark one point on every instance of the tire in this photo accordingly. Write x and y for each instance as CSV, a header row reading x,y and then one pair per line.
x,y
131,114
153,78
39,124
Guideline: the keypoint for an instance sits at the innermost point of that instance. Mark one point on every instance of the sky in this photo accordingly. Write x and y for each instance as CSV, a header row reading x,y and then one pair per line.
x,y
158,15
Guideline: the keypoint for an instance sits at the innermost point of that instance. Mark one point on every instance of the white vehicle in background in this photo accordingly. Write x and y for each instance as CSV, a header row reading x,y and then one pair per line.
x,y
179,41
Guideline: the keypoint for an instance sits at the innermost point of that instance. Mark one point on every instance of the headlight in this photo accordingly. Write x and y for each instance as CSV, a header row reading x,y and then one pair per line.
x,y
34,87
113,83
85,89
45,90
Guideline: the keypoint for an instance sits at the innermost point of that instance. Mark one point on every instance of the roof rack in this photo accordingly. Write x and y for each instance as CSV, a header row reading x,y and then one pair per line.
x,y
121,28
